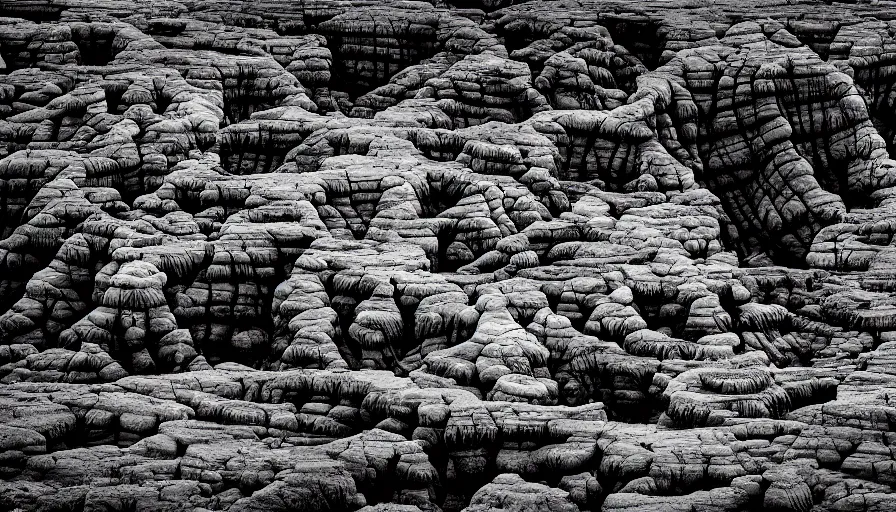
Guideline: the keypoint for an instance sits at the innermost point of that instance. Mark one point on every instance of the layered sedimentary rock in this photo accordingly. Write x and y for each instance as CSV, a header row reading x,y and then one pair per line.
x,y
443,256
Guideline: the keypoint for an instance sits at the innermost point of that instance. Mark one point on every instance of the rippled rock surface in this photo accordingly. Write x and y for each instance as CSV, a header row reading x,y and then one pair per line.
x,y
447,255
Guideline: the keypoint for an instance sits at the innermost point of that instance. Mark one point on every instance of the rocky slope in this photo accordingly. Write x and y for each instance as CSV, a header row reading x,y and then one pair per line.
x,y
481,255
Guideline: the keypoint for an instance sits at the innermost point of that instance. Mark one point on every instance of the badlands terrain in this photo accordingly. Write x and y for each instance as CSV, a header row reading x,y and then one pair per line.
x,y
478,255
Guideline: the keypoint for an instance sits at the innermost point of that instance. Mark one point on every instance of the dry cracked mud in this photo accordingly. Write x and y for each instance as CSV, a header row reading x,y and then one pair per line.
x,y
478,255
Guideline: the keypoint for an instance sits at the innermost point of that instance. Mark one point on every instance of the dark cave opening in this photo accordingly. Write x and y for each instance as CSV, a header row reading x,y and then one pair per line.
x,y
368,60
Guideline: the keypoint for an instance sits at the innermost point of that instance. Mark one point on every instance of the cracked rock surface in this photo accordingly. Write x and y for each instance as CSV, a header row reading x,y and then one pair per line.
x,y
447,255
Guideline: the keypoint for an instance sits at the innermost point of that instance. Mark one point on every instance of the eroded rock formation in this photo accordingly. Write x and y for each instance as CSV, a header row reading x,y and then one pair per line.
x,y
481,255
